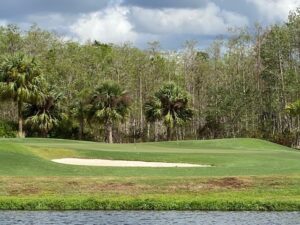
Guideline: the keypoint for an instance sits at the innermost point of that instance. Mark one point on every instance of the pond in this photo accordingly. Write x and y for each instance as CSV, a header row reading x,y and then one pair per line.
x,y
148,217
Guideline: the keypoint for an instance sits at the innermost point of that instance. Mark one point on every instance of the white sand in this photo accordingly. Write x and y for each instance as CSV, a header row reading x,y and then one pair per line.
x,y
121,163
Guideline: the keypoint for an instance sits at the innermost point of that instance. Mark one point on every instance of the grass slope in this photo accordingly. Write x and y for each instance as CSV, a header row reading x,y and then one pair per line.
x,y
230,157
248,174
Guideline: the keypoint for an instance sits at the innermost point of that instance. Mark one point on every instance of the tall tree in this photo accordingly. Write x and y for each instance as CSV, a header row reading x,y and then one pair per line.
x,y
20,79
170,103
153,113
80,112
109,104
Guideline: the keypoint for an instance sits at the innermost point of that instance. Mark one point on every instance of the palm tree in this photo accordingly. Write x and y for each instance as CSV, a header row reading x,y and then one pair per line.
x,y
109,104
170,104
80,112
20,78
43,116
153,113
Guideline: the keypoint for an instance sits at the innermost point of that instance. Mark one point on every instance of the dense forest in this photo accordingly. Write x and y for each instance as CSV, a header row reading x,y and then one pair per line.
x,y
247,85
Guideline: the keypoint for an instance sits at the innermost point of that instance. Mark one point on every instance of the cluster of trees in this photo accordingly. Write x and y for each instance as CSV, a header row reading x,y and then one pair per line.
x,y
22,81
243,86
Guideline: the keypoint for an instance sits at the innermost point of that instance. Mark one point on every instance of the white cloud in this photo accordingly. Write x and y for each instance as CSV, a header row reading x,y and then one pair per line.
x,y
109,25
119,24
171,22
3,23
275,10
210,20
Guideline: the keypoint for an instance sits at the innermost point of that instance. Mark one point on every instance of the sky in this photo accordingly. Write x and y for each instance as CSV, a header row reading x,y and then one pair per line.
x,y
171,22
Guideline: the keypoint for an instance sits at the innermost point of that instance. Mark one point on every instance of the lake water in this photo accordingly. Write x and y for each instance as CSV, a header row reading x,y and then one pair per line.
x,y
148,217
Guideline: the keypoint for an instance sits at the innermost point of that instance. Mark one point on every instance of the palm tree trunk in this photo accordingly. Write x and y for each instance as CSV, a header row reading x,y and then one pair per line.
x,y
148,132
110,134
45,133
81,128
169,133
20,120
155,131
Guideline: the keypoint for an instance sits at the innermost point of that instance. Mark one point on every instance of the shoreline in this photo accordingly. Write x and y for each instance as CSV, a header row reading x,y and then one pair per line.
x,y
154,203
272,193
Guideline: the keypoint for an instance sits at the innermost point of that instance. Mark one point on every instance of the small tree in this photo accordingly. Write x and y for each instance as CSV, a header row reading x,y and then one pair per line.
x,y
293,108
109,104
44,115
20,77
170,104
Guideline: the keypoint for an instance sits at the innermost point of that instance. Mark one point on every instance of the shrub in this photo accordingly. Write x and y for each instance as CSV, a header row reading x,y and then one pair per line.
x,y
8,129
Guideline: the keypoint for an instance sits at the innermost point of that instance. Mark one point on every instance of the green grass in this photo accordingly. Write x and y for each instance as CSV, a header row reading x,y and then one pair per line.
x,y
247,174
142,203
229,157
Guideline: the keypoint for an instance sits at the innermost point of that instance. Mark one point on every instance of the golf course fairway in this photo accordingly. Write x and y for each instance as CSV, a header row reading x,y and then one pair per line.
x,y
244,174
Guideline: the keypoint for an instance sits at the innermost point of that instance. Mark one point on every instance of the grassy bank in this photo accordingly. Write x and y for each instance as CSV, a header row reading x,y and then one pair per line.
x,y
149,203
248,174
159,193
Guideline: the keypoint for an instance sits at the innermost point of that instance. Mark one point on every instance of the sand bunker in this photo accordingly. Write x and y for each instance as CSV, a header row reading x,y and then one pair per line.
x,y
121,163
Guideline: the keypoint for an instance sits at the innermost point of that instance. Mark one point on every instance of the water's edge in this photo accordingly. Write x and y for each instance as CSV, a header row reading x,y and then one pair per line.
x,y
155,203
148,217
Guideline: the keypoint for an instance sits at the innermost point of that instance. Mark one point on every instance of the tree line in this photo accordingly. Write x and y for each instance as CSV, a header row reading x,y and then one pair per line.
x,y
246,85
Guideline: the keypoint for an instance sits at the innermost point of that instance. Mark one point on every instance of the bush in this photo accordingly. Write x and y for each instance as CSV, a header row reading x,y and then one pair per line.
x,y
8,129
287,139
66,129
